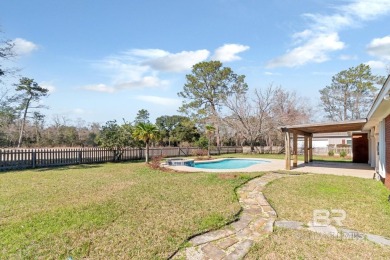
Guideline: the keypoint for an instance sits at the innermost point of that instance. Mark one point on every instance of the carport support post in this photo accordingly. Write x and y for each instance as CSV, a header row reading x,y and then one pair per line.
x,y
305,150
295,149
310,148
288,151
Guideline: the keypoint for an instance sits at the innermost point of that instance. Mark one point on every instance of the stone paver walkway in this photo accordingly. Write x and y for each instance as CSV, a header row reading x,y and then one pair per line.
x,y
233,241
256,221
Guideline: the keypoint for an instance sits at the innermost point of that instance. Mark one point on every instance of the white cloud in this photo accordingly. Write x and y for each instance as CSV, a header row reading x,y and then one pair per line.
x,y
380,47
367,10
300,37
307,48
48,85
176,62
148,81
228,52
148,53
78,111
268,73
139,68
100,88
122,71
376,64
23,47
328,23
315,50
159,100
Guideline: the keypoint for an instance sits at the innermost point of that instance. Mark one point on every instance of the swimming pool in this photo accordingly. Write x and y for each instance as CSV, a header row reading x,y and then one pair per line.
x,y
228,164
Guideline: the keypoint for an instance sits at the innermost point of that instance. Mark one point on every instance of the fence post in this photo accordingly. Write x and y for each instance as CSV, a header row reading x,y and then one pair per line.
x,y
34,158
80,157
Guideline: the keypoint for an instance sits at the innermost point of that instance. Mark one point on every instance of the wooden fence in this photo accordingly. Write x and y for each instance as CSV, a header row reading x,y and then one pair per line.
x,y
12,159
264,149
336,150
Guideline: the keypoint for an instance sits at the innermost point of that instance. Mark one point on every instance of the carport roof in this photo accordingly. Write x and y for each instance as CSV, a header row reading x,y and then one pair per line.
x,y
329,127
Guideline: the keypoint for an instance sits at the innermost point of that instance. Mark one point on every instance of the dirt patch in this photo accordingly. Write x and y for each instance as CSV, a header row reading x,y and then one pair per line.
x,y
226,176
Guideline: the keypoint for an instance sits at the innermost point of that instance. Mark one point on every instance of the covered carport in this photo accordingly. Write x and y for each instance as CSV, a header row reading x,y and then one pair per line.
x,y
307,130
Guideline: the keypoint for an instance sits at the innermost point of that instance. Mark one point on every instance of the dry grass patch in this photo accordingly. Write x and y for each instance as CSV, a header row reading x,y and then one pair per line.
x,y
364,201
122,210
294,244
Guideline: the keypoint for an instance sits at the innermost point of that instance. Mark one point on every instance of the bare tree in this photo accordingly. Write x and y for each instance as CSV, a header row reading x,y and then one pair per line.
x,y
258,119
288,109
250,117
6,53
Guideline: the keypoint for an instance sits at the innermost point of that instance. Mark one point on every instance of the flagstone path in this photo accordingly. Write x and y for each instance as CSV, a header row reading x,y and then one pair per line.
x,y
256,221
234,241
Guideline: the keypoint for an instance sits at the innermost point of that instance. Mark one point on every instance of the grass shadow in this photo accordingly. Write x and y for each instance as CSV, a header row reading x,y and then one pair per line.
x,y
69,167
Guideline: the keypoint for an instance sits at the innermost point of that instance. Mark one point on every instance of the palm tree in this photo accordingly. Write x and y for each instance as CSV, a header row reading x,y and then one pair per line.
x,y
146,132
209,132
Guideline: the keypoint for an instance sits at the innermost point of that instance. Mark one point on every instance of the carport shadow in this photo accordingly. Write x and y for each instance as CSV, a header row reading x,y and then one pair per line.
x,y
336,165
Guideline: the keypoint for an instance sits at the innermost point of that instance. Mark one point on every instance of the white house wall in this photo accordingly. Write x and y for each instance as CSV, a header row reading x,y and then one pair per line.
x,y
373,147
382,150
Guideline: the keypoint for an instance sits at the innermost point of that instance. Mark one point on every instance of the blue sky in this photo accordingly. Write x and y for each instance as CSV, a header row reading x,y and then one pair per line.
x,y
105,60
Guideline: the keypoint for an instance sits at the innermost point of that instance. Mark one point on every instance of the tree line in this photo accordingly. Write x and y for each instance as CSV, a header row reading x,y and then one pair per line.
x,y
218,109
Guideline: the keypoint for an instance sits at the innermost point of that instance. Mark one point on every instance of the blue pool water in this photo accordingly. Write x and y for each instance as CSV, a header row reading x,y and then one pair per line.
x,y
228,164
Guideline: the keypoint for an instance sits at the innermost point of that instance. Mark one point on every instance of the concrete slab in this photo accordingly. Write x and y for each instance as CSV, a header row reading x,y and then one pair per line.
x,y
268,165
360,170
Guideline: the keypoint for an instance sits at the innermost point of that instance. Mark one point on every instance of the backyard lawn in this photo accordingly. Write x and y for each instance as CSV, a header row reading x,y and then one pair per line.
x,y
127,210
365,203
123,210
294,244
364,200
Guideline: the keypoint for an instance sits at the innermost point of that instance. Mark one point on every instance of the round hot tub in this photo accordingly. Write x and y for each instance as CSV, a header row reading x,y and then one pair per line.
x,y
181,162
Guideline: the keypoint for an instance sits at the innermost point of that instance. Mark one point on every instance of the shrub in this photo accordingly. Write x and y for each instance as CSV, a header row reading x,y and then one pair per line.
x,y
343,153
155,163
200,153
331,153
343,145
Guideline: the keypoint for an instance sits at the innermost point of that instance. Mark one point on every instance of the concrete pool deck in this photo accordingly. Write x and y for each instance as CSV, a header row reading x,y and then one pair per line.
x,y
360,170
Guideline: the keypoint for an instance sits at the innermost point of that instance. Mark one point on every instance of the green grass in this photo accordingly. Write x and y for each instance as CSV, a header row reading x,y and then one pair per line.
x,y
127,210
294,244
364,201
121,210
295,198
